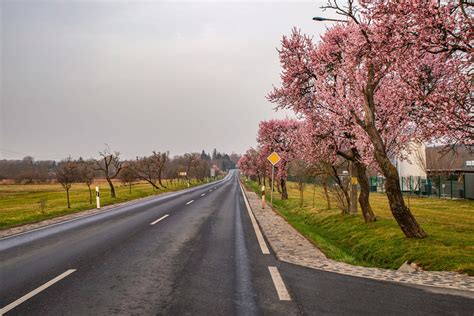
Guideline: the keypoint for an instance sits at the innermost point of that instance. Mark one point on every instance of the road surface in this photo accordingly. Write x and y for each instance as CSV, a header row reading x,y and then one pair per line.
x,y
195,252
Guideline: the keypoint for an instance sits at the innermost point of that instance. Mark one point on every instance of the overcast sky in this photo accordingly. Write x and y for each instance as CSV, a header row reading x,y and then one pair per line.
x,y
140,76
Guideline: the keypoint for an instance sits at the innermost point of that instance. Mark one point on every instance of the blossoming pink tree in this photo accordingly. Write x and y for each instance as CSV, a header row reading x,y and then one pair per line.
x,y
248,164
321,141
279,136
380,87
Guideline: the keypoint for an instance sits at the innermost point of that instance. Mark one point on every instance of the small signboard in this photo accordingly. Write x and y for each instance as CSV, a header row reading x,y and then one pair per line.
x,y
354,180
274,158
213,172
182,173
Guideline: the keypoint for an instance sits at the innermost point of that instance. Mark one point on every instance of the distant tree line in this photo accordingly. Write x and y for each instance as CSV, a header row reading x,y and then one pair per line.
x,y
152,169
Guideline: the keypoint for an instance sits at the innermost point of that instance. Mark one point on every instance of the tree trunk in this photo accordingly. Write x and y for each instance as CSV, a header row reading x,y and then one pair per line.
x,y
159,181
90,193
112,188
400,211
67,195
130,188
364,202
284,191
345,210
278,186
155,187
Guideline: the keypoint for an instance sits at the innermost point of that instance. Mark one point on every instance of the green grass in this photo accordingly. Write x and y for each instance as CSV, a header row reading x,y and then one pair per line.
x,y
19,203
448,223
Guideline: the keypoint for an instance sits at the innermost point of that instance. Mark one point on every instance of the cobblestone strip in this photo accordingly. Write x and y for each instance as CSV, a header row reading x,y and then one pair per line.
x,y
296,249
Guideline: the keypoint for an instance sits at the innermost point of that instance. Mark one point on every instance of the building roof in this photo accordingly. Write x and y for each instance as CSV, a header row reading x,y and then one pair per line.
x,y
441,159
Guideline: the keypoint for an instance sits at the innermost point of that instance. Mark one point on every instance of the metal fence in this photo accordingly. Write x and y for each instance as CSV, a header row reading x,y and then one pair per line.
x,y
453,186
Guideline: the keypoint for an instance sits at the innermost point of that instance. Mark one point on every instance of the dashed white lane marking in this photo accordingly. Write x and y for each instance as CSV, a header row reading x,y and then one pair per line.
x,y
190,202
159,219
260,239
43,287
280,287
210,190
203,194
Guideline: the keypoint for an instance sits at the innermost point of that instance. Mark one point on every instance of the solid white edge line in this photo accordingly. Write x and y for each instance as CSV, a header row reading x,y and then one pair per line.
x,y
35,291
280,287
203,194
190,202
159,219
260,239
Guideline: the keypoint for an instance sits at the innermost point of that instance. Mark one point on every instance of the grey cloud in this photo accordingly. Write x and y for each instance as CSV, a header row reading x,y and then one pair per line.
x,y
139,76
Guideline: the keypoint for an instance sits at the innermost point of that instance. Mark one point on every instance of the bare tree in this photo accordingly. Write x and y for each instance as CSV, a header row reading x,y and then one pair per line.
x,y
110,165
341,190
202,169
145,169
171,170
128,176
160,160
86,174
192,160
321,171
66,174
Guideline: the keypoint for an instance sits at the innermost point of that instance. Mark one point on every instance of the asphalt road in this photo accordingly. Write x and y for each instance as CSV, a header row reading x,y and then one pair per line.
x,y
194,252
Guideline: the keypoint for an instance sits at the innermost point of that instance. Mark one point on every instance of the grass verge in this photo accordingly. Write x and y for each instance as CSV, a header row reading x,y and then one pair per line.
x,y
20,203
448,223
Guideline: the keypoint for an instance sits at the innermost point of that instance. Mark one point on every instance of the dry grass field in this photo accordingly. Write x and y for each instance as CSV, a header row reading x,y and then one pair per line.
x,y
20,203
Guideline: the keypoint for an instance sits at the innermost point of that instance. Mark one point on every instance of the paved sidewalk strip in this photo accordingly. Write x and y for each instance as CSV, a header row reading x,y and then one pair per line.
x,y
296,249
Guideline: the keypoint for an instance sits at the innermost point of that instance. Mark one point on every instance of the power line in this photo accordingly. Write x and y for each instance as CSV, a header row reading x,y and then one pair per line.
x,y
16,153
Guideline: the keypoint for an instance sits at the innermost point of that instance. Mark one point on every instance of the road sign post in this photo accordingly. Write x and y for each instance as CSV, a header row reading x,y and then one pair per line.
x,y
274,158
353,188
273,177
97,196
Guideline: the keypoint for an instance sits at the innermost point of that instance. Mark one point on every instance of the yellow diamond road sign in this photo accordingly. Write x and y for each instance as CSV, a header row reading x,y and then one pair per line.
x,y
274,158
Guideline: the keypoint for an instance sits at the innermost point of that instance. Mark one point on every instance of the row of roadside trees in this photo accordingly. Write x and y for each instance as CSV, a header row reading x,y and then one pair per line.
x,y
152,169
390,74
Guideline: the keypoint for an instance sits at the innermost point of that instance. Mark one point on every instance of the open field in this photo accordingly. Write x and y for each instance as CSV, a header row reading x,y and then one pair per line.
x,y
448,223
19,203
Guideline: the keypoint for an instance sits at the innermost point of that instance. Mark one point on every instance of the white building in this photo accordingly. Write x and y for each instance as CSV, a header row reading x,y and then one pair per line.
x,y
415,164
